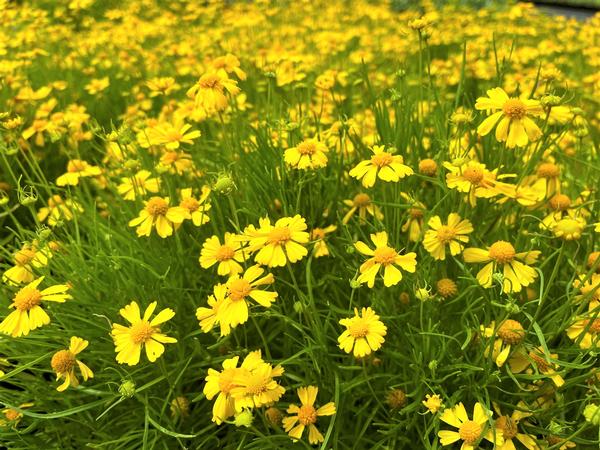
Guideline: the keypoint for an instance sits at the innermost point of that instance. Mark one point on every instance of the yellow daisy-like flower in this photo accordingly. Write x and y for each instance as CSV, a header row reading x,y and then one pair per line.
x,y
364,333
209,92
433,403
28,314
364,205
501,253
58,209
220,384
142,332
279,243
508,335
383,165
12,417
440,236
309,154
520,361
228,255
318,235
63,363
209,317
30,257
196,208
384,257
234,310
512,115
508,427
569,228
474,179
306,415
588,287
76,169
157,213
469,431
138,185
162,86
586,330
171,135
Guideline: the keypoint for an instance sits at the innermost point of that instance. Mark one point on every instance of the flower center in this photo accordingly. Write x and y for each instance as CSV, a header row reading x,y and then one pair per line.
x,y
12,415
415,213
470,431
157,206
256,384
385,255
307,415
210,81
239,289
502,252
307,148
358,329
141,332
594,326
318,233
361,200
559,202
382,159
191,204
24,256
473,175
548,170
445,234
279,235
540,362
224,253
173,136
75,166
514,108
169,157
27,298
511,332
62,361
508,427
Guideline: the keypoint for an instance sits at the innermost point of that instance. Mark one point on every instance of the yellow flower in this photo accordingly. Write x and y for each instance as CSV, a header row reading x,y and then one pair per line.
x,y
64,361
171,135
586,330
433,403
309,154
76,169
28,314
30,257
220,384
228,255
508,427
510,333
475,180
364,205
588,287
12,416
306,415
512,116
414,223
228,64
161,86
209,92
469,431
196,207
364,333
138,185
318,235
58,209
516,273
142,332
385,165
209,317
157,213
569,228
97,85
277,244
520,360
383,257
453,235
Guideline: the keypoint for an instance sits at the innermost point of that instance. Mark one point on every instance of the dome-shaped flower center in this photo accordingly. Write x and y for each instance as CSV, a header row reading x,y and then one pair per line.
x,y
514,108
210,81
415,213
169,157
224,253
318,233
307,415
361,200
279,235
385,255
358,329
540,362
502,252
27,298
511,332
382,159
12,414
559,202
446,287
173,135
427,167
256,384
239,289
470,431
445,234
157,206
306,148
24,256
473,175
141,332
191,204
508,427
62,361
548,170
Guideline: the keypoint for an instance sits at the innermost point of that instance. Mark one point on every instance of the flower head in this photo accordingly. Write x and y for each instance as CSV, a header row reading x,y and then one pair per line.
x,y
364,333
364,205
383,165
453,235
308,154
76,169
227,256
306,415
138,185
30,256
469,431
64,362
157,213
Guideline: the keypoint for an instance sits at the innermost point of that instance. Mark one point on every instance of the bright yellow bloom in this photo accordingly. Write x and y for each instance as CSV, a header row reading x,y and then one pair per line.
x,y
228,255
279,243
383,257
385,165
138,185
469,431
197,208
176,161
30,257
364,333
157,213
209,317
220,384
516,273
569,228
28,314
433,403
228,64
508,427
508,335
142,332
308,154
97,85
520,360
440,236
512,116
364,205
209,92
76,169
318,235
58,209
474,179
162,86
171,135
64,361
588,288
306,415
12,417
586,330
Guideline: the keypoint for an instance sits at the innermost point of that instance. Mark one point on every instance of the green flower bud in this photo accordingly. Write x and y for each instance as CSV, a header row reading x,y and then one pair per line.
x,y
354,284
127,389
243,419
224,184
592,414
